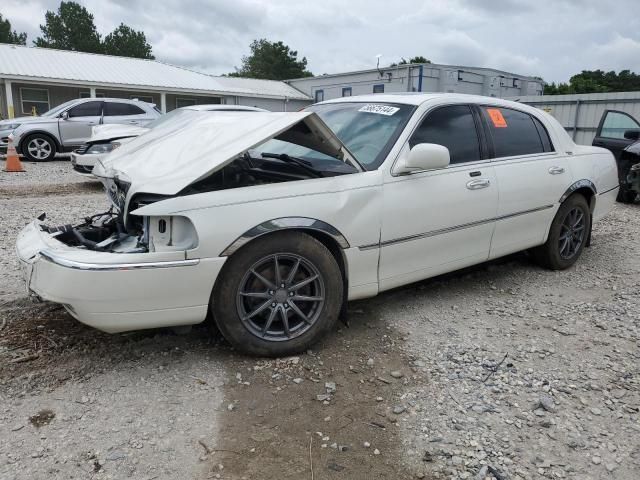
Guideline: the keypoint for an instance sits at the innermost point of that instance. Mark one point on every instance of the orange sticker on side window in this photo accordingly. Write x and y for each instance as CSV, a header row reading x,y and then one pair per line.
x,y
497,118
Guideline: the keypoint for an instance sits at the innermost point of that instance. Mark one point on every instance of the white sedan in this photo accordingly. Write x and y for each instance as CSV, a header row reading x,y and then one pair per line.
x,y
105,138
271,222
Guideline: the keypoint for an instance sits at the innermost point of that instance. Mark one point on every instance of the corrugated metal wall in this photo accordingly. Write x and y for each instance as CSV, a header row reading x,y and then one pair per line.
x,y
580,114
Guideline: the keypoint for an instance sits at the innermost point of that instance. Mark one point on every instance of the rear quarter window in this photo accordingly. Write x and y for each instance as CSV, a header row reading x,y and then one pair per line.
x,y
515,133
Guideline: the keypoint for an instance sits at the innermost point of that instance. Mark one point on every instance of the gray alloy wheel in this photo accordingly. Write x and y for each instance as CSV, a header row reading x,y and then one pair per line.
x,y
572,233
568,234
38,148
278,295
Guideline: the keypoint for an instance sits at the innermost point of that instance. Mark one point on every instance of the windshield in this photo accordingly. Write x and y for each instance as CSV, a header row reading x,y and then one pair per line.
x,y
368,130
56,110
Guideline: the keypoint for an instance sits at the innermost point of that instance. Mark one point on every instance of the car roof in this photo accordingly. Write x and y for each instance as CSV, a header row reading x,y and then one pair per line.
x,y
109,99
216,106
417,98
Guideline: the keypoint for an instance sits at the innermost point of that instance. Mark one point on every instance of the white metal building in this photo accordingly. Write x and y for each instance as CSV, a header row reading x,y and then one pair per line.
x,y
427,77
580,114
38,79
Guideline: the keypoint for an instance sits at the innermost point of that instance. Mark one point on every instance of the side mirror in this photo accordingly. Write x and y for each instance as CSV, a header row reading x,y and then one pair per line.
x,y
424,156
632,134
64,115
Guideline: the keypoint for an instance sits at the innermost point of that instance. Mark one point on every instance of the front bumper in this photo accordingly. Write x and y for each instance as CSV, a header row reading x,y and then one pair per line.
x,y
83,164
117,292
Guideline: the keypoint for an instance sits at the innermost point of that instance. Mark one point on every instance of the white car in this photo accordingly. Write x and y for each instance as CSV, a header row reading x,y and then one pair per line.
x,y
105,138
273,221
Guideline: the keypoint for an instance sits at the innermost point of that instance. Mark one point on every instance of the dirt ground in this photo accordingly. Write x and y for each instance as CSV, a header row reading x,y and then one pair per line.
x,y
501,371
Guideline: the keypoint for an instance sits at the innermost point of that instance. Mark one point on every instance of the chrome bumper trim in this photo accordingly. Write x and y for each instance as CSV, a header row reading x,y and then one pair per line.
x,y
102,267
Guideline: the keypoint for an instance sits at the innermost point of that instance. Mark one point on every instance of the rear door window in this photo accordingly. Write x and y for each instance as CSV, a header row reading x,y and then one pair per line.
x,y
452,127
116,109
86,109
513,132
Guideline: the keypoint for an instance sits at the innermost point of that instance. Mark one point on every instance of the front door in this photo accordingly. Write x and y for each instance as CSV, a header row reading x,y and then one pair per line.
x,y
75,129
616,131
440,220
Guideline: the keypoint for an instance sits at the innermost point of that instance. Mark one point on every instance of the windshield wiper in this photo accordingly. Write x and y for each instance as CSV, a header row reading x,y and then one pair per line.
x,y
303,164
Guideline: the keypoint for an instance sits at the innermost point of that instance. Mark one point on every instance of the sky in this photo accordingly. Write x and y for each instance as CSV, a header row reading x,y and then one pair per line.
x,y
553,39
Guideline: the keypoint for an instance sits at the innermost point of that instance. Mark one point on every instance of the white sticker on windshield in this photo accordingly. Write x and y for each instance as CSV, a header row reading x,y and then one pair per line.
x,y
379,109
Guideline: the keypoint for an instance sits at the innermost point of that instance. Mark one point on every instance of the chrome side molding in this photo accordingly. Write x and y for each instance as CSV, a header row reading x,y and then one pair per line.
x,y
285,223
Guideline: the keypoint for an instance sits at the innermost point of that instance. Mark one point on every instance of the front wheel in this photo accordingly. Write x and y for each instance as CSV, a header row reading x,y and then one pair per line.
x,y
568,235
278,295
38,148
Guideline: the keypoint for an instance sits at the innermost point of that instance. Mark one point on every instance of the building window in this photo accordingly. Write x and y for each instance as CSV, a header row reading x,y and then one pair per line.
x,y
378,88
99,95
185,102
346,91
319,96
143,98
85,94
34,100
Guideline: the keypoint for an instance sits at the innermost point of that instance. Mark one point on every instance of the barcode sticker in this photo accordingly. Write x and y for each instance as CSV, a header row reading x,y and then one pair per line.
x,y
379,109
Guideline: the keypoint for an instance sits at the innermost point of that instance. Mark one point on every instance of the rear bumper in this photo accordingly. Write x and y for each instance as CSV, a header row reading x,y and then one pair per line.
x,y
117,292
605,201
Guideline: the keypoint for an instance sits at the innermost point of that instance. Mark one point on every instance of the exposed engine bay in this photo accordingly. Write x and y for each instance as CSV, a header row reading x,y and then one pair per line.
x,y
108,232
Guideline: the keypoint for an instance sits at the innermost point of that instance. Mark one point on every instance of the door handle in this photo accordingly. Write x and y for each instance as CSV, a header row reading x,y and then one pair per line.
x,y
478,184
556,170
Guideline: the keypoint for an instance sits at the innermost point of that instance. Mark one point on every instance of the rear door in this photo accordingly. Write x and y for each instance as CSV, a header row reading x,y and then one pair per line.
x,y
531,178
126,113
75,130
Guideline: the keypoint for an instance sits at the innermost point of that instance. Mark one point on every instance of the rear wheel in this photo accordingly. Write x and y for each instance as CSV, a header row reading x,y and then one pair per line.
x,y
278,295
568,235
38,148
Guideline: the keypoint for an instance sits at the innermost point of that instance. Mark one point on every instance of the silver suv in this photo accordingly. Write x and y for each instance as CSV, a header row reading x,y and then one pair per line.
x,y
68,126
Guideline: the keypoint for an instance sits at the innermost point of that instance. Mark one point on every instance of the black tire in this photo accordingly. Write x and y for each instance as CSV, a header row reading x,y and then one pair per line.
x,y
38,147
264,333
554,253
625,195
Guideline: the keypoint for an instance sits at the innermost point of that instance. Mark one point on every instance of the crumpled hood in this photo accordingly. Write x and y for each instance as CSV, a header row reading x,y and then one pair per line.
x,y
170,157
103,133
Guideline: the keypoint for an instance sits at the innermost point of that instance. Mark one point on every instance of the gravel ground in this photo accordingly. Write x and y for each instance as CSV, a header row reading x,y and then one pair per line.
x,y
42,173
503,371
529,372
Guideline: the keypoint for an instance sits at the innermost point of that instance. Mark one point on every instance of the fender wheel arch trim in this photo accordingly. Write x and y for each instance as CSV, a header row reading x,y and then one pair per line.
x,y
285,223
576,185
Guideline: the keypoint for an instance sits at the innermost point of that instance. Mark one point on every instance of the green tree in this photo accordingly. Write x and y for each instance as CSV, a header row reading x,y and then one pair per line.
x,y
272,61
126,42
596,81
404,61
72,28
11,36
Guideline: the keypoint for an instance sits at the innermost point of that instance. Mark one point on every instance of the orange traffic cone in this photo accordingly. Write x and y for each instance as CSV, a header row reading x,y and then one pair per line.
x,y
13,163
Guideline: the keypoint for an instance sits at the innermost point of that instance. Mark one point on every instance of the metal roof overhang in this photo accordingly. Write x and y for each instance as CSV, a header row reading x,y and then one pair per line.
x,y
145,88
